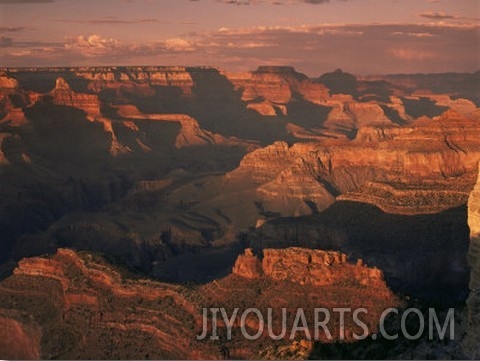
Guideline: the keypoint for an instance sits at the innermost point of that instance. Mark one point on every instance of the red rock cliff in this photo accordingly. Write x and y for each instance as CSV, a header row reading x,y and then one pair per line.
x,y
306,267
472,342
78,306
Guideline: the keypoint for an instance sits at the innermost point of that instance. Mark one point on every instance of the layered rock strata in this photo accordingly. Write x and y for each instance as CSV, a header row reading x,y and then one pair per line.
x,y
77,305
472,342
306,267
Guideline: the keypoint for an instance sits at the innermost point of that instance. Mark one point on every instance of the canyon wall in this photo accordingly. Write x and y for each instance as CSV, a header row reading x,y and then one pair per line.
x,y
424,168
80,305
472,342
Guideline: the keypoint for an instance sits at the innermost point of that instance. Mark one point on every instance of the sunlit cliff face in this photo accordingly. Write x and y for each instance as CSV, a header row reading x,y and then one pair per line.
x,y
93,307
472,341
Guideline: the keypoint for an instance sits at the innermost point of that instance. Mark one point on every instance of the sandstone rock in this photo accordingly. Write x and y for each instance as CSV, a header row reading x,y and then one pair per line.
x,y
268,109
265,162
115,77
18,340
268,86
247,265
346,112
78,305
63,95
191,134
276,85
94,296
7,82
15,116
408,170
472,341
306,267
9,111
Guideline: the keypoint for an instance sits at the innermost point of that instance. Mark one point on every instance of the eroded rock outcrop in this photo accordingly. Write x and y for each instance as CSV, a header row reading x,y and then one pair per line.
x,y
90,309
62,94
472,342
248,265
283,179
7,82
307,267
11,111
269,89
78,305
191,134
424,168
116,77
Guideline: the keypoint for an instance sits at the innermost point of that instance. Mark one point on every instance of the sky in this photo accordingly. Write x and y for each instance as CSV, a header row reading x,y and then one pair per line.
x,y
363,37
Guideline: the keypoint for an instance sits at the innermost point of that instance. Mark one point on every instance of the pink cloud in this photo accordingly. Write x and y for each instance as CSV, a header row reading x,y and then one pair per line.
x,y
314,49
179,45
93,45
412,54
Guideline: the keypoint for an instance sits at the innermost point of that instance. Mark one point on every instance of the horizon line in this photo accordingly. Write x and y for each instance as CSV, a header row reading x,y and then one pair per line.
x,y
213,67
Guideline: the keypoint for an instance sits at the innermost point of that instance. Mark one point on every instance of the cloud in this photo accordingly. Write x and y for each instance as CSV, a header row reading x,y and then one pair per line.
x,y
362,49
437,16
20,2
12,29
105,50
442,17
94,45
178,45
110,20
416,35
313,49
238,2
411,54
93,42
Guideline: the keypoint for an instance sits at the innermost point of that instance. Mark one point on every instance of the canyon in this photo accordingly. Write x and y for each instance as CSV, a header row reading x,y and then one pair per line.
x,y
202,177
92,307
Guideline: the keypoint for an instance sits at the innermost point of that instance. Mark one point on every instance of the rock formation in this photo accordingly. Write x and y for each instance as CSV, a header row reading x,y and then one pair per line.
x,y
248,265
62,94
306,267
472,342
88,309
385,166
191,134
9,111
77,305
7,82
118,77
275,87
